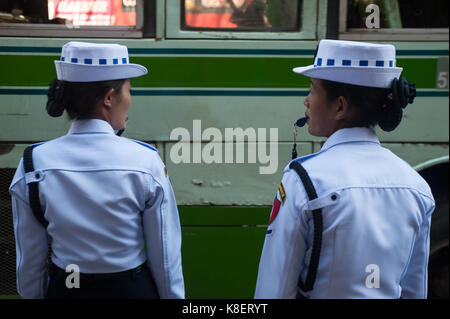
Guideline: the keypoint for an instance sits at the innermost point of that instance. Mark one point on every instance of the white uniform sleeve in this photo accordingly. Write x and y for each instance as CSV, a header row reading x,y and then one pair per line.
x,y
31,243
415,281
285,244
163,238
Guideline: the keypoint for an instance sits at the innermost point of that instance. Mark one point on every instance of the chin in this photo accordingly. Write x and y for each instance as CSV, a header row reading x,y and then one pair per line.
x,y
315,133
311,131
119,126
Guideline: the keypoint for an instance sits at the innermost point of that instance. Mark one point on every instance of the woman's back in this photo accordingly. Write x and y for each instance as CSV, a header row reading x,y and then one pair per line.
x,y
93,195
374,221
105,201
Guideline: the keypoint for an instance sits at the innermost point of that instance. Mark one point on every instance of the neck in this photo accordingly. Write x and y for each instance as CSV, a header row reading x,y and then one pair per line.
x,y
101,113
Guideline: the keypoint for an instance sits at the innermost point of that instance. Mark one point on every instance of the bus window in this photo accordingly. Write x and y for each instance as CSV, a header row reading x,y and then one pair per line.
x,y
400,13
393,20
241,15
75,12
76,18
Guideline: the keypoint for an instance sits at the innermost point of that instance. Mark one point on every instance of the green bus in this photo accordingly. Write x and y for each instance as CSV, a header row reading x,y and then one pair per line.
x,y
221,71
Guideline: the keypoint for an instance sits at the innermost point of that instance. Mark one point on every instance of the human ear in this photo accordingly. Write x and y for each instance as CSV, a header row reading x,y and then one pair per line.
x,y
342,108
108,98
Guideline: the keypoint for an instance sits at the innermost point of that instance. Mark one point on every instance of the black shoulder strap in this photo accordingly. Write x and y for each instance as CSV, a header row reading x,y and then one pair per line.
x,y
318,226
33,187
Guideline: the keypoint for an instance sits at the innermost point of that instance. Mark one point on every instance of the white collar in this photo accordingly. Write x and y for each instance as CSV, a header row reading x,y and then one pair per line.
x,y
351,135
90,126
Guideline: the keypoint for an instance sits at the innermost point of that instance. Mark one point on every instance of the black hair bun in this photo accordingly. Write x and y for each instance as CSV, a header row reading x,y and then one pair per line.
x,y
403,93
55,102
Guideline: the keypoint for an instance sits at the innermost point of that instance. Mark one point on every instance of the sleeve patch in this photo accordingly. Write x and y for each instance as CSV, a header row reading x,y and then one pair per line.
x,y
282,193
275,210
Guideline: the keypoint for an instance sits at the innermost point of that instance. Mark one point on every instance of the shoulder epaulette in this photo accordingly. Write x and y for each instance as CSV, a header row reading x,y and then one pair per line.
x,y
146,145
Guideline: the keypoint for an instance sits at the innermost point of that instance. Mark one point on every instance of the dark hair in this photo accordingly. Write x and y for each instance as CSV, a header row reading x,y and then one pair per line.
x,y
78,98
374,105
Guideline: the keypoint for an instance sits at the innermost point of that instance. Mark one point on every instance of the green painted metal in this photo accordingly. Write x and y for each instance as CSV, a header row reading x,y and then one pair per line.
x,y
172,72
203,71
221,262
420,71
221,247
26,70
242,216
222,72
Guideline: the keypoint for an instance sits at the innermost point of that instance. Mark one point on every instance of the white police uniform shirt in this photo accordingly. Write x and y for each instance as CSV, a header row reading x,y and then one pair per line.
x,y
103,196
375,232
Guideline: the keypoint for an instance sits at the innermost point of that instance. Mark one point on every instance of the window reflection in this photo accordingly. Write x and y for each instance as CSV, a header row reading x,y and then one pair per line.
x,y
260,15
400,13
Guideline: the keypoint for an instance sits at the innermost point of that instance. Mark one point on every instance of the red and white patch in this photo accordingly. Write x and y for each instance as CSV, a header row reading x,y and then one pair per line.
x,y
275,210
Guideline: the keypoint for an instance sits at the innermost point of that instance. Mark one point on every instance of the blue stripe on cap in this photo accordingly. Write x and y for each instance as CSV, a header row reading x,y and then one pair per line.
x,y
346,62
74,60
124,60
87,61
363,63
102,61
115,61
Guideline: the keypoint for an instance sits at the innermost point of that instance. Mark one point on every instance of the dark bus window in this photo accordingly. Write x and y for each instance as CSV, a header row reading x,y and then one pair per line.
x,y
241,15
70,12
400,13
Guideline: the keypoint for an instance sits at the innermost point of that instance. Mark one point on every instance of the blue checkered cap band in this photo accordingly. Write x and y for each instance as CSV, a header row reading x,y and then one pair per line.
x,y
97,61
324,61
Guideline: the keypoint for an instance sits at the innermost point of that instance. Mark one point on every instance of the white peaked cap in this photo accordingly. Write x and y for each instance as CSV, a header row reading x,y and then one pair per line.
x,y
357,63
92,62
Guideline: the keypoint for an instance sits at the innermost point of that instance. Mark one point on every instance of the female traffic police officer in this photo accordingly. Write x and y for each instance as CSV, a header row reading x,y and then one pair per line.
x,y
358,227
101,198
